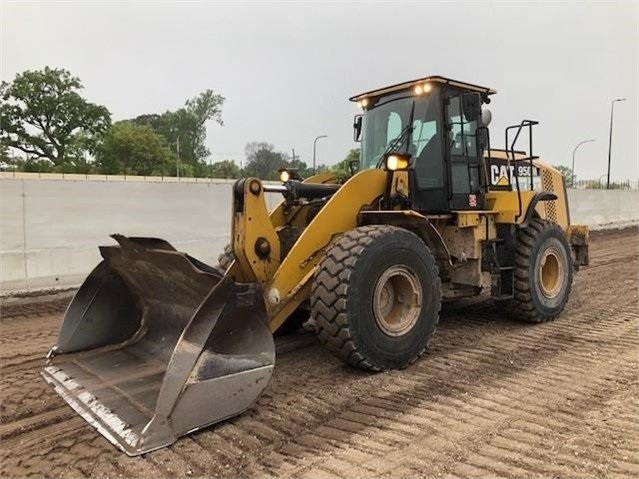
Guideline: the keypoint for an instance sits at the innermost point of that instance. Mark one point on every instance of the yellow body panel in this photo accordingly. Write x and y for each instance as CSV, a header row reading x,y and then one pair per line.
x,y
252,225
458,236
284,292
505,205
277,217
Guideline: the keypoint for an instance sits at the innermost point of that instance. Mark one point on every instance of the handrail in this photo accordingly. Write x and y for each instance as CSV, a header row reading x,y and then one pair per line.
x,y
480,152
511,150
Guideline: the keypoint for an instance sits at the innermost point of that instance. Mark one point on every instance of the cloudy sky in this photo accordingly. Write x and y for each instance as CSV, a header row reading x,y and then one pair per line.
x,y
287,69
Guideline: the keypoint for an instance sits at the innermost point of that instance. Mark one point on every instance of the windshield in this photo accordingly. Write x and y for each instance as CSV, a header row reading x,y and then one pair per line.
x,y
390,119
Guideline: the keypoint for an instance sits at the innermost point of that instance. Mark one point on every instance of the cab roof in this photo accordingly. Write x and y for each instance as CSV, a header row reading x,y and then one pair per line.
x,y
412,83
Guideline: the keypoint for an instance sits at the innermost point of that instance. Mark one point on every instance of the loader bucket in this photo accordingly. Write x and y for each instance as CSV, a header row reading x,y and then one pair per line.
x,y
156,344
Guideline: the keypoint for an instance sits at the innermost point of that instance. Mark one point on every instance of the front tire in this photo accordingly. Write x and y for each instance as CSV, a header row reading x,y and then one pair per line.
x,y
543,273
376,297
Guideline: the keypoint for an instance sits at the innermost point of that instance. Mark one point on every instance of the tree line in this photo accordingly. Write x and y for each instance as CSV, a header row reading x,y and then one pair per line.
x,y
49,124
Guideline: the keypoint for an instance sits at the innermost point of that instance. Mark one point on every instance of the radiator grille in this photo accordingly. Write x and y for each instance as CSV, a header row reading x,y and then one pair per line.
x,y
548,185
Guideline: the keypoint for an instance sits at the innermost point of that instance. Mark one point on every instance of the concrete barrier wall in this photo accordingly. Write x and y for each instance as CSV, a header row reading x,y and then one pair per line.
x,y
600,208
22,175
50,229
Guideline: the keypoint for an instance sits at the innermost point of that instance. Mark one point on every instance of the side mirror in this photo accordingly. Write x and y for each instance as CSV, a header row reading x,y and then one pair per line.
x,y
471,105
486,117
357,127
353,165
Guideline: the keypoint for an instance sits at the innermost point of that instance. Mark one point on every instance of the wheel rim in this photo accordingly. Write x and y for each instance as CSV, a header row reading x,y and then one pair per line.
x,y
397,300
551,273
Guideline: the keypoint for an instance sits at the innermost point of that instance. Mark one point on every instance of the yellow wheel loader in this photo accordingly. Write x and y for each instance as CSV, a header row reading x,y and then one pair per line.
x,y
157,344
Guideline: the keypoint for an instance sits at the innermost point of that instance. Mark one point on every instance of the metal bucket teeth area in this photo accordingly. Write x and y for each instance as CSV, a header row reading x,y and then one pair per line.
x,y
156,344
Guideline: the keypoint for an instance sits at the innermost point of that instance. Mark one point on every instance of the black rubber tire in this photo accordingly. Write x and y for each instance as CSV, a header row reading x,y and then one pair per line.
x,y
529,303
342,297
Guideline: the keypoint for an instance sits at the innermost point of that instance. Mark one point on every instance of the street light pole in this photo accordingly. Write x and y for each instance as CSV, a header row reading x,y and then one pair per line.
x,y
178,158
612,111
572,171
315,150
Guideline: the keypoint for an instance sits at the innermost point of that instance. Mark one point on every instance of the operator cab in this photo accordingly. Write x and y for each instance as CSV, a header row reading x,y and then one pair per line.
x,y
437,122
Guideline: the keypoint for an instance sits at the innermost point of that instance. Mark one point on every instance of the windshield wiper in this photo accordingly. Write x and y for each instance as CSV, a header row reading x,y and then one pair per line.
x,y
403,136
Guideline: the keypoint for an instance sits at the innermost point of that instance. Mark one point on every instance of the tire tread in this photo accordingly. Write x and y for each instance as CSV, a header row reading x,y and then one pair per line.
x,y
522,307
331,290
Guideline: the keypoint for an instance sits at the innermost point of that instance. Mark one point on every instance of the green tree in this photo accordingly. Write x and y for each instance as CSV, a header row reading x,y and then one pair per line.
x,y
225,169
40,165
4,154
185,128
43,115
262,161
343,168
303,169
566,172
133,149
204,107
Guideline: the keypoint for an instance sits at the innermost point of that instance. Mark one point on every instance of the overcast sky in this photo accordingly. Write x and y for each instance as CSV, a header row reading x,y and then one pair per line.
x,y
287,70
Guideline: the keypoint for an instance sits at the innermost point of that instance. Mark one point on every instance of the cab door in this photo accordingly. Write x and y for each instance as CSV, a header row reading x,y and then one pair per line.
x,y
428,176
465,178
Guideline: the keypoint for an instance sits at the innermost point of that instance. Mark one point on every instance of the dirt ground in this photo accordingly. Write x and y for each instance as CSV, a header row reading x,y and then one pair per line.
x,y
492,397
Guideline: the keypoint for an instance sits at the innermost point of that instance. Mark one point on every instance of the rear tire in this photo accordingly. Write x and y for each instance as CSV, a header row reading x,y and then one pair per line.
x,y
376,297
543,273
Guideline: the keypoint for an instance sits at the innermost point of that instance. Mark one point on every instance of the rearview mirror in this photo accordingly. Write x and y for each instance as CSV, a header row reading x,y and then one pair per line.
x,y
471,105
357,127
486,117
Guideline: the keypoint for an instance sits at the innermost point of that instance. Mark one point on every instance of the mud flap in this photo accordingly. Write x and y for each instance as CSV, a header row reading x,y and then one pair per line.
x,y
156,344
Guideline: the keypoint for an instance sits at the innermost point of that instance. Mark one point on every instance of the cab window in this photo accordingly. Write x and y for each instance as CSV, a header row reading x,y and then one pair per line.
x,y
461,136
426,145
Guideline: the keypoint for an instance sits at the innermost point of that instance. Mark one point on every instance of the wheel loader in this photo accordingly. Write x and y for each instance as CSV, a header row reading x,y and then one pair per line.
x,y
156,344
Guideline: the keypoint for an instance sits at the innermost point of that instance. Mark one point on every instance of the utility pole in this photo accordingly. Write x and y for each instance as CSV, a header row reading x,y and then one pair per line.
x,y
315,151
572,170
612,111
177,165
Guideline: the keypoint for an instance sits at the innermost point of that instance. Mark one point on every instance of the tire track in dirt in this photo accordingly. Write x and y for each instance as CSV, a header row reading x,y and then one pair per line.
x,y
474,353
234,454
384,422
34,306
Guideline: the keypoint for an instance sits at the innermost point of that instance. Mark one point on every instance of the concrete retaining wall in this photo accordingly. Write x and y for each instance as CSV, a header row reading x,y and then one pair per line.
x,y
50,229
601,208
